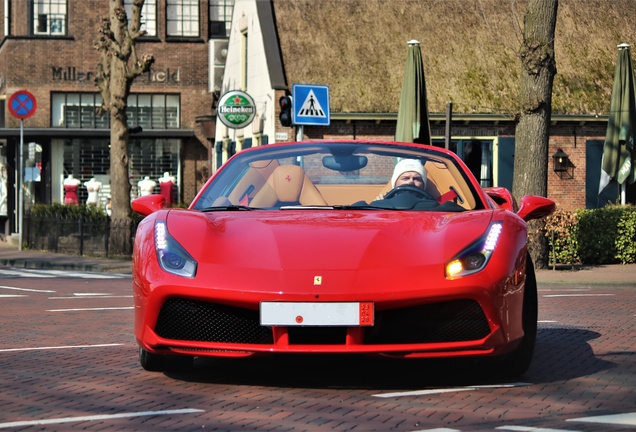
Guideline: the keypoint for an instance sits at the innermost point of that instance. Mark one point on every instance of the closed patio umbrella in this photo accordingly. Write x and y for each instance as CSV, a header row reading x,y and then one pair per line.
x,y
412,122
618,151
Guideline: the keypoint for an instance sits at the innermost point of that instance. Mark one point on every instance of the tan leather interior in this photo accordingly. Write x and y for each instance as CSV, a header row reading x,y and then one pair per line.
x,y
288,185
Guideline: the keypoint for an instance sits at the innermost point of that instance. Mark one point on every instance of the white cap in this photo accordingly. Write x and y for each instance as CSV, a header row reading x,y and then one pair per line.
x,y
406,165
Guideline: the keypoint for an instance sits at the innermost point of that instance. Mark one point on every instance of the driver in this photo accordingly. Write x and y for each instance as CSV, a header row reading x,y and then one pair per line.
x,y
407,172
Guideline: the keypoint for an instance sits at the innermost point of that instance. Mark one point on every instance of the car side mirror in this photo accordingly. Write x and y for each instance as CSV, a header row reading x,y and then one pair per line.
x,y
148,204
535,207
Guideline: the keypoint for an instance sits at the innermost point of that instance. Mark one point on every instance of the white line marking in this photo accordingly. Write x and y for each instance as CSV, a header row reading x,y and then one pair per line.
x,y
91,294
11,295
25,289
532,429
92,297
97,417
628,419
59,347
89,309
542,321
577,295
449,390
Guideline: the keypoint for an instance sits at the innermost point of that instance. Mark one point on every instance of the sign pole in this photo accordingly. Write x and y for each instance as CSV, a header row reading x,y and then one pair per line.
x,y
22,104
20,185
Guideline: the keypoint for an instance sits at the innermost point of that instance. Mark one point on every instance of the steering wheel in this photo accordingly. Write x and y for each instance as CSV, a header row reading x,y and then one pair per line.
x,y
414,190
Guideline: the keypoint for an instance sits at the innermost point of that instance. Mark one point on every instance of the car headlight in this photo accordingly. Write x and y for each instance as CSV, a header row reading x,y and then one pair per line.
x,y
172,257
475,257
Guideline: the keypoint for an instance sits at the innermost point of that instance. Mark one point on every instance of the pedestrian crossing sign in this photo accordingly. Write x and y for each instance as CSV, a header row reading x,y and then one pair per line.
x,y
310,105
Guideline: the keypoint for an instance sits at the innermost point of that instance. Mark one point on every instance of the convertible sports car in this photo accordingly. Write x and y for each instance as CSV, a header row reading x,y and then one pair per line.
x,y
310,248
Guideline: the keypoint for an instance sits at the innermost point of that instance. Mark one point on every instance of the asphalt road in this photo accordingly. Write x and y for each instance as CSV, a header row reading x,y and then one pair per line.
x,y
69,362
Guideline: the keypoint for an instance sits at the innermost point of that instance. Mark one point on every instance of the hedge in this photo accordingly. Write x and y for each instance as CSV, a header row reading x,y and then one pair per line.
x,y
600,236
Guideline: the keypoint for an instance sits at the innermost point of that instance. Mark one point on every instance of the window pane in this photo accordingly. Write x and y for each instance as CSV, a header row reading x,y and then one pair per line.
x,y
148,16
182,18
49,17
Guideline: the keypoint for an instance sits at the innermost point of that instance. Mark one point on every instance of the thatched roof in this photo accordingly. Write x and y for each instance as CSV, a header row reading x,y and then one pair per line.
x,y
358,48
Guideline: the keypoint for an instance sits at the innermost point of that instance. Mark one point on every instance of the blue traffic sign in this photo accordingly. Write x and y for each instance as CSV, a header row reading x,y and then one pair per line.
x,y
22,104
310,105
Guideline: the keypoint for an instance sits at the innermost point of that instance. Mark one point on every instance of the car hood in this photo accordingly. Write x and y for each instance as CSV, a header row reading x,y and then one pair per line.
x,y
325,240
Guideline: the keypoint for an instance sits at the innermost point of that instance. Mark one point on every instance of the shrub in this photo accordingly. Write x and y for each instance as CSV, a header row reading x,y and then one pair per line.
x,y
562,232
626,239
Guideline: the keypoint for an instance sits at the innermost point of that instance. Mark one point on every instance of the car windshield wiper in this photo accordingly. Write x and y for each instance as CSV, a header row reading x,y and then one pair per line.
x,y
228,208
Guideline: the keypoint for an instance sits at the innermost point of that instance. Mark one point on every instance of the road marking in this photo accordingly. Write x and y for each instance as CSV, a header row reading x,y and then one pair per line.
x,y
532,429
90,309
91,294
449,390
11,295
547,321
25,289
627,419
98,417
577,295
37,273
59,347
91,297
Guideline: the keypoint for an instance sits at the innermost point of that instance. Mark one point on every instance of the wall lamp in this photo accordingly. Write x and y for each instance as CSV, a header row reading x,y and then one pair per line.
x,y
562,165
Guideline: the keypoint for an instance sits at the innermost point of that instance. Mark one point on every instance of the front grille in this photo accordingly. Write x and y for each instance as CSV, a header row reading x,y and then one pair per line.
x,y
182,319
455,321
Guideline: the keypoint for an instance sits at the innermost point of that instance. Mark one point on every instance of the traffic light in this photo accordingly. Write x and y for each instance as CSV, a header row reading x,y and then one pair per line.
x,y
285,116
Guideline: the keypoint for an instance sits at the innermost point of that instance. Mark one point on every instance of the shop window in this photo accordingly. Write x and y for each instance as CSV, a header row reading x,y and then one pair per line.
x,y
182,18
148,16
49,17
80,111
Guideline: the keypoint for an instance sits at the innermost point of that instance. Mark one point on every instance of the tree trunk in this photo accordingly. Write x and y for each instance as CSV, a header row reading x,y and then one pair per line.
x,y
532,131
120,242
119,65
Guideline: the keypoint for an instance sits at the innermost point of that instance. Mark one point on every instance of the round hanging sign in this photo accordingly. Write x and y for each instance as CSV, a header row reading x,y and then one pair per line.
x,y
236,109
22,104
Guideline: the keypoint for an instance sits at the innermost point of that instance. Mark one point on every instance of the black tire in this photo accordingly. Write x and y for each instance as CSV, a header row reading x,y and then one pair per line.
x,y
518,361
163,363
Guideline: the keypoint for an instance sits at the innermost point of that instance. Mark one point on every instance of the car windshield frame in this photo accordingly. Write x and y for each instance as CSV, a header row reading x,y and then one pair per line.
x,y
337,175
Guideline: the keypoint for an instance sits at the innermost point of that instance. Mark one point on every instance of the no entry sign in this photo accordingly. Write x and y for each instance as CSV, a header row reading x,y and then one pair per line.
x,y
22,104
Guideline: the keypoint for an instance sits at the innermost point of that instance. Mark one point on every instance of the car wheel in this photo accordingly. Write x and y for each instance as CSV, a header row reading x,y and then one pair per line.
x,y
517,362
161,362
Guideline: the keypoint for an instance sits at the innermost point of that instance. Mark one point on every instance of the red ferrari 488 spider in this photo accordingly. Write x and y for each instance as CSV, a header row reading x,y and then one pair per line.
x,y
383,248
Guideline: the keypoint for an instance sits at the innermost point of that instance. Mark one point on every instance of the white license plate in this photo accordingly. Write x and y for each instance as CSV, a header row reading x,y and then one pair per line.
x,y
317,314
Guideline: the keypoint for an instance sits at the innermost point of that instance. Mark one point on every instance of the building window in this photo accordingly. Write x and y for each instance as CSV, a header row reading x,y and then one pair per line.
x,y
150,111
148,16
154,111
77,110
182,18
49,17
220,18
244,57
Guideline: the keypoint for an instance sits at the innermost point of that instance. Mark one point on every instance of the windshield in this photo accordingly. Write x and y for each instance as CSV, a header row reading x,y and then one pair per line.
x,y
341,175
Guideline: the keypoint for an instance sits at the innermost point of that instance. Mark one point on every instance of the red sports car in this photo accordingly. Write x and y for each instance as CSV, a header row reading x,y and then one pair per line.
x,y
384,248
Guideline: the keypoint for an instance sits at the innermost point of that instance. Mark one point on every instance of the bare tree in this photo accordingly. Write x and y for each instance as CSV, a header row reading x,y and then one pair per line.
x,y
532,131
118,66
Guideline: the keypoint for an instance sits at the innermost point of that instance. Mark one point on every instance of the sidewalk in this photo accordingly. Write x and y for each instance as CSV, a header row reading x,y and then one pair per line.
x,y
10,256
579,276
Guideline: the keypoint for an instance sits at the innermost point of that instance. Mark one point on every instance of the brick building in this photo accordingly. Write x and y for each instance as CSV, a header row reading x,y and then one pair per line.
x,y
46,48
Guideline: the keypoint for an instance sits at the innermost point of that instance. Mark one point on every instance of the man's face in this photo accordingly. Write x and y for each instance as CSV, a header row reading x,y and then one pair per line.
x,y
410,178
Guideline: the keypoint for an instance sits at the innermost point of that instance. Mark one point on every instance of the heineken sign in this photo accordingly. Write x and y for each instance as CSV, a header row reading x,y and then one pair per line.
x,y
236,109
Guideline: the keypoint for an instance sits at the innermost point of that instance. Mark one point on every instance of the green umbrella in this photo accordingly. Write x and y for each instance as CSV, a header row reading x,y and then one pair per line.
x,y
618,152
412,123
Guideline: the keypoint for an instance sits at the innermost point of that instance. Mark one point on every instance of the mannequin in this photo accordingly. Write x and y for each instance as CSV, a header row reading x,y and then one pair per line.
x,y
93,187
70,190
146,186
166,183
